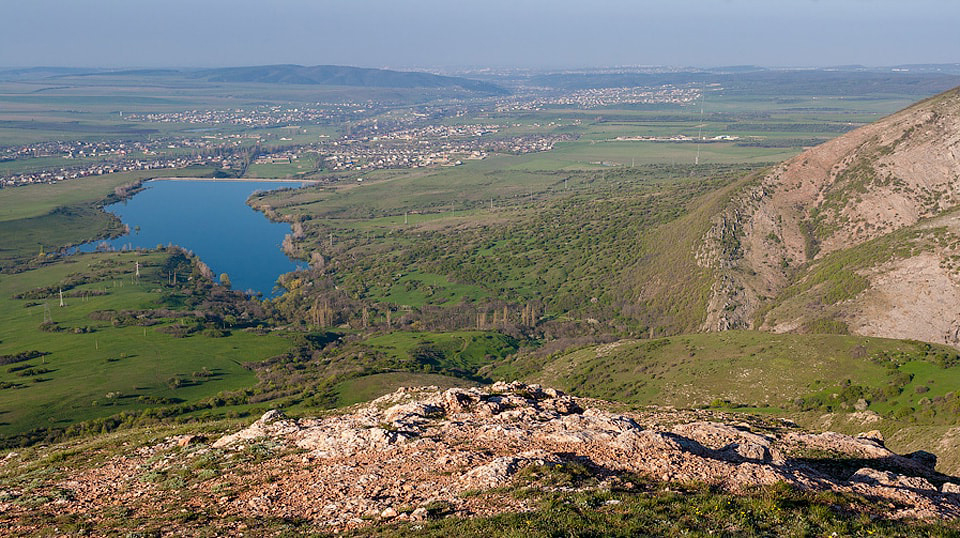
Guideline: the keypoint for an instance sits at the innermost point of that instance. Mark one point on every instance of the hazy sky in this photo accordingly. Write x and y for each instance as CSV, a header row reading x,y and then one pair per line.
x,y
520,33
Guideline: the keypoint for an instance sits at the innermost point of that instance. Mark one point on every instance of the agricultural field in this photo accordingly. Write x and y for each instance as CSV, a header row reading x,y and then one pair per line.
x,y
766,129
292,168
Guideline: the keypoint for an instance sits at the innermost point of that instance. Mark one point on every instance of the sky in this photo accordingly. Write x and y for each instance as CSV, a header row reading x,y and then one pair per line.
x,y
468,33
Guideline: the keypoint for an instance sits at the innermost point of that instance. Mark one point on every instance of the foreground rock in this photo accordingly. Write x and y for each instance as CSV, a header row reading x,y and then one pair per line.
x,y
405,454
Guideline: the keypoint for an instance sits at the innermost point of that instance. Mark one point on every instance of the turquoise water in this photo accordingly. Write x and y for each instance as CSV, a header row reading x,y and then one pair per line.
x,y
211,219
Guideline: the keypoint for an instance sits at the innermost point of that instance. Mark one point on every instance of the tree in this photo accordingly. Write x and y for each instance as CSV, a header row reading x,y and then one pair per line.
x,y
224,280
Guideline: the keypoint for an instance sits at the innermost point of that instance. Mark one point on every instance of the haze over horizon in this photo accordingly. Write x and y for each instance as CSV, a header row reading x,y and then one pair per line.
x,y
526,34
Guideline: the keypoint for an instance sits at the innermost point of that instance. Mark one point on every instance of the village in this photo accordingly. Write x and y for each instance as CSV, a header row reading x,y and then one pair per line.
x,y
593,98
405,142
262,116
372,136
78,159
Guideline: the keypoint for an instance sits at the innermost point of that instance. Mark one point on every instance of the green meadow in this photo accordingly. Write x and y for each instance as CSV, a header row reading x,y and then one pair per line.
x,y
92,368
370,387
747,369
302,166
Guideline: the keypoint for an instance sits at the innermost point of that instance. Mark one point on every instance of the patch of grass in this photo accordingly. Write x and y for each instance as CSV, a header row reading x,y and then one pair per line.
x,y
753,369
566,475
826,326
679,509
291,169
369,387
418,289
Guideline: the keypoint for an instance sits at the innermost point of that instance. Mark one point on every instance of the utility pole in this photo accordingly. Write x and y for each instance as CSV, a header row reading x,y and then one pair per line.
x,y
703,93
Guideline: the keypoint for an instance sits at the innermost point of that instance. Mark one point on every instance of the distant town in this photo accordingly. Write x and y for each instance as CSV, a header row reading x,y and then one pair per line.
x,y
364,136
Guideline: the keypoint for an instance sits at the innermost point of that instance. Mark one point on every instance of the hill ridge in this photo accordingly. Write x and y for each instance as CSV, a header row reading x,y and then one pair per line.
x,y
337,75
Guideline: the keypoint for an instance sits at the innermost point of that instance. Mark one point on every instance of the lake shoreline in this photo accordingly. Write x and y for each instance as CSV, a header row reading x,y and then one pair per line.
x,y
209,217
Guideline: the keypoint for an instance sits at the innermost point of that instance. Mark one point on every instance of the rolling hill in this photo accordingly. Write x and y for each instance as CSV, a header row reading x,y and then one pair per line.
x,y
335,75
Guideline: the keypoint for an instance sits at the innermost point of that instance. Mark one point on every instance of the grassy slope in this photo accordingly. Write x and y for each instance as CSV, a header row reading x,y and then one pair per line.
x,y
756,369
665,510
132,361
812,378
38,200
670,287
24,239
366,388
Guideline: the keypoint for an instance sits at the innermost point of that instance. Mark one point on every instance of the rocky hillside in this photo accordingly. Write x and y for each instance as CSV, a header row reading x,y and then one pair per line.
x,y
425,454
856,235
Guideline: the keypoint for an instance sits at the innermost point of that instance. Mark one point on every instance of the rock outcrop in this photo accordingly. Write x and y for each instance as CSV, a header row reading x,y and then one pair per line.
x,y
404,454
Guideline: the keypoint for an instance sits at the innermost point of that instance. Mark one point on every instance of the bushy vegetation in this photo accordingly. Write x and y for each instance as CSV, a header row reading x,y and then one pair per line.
x,y
605,250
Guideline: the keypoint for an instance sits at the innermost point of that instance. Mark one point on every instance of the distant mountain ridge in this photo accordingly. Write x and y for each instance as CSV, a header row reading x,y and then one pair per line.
x,y
763,81
335,75
320,75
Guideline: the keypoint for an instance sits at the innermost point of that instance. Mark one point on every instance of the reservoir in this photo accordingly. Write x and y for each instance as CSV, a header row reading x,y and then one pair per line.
x,y
211,219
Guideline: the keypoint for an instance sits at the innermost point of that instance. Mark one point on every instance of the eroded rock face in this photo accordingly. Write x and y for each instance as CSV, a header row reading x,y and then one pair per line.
x,y
414,449
732,443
